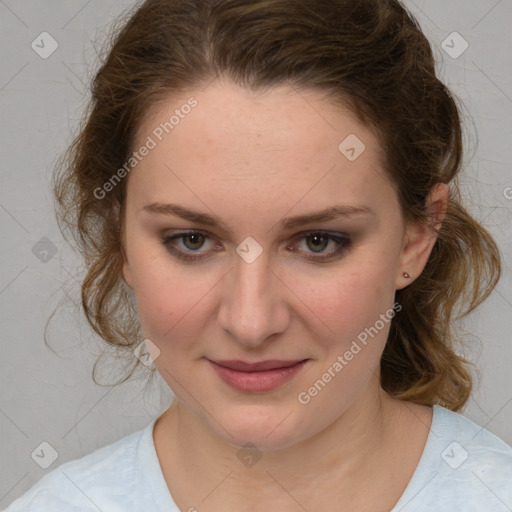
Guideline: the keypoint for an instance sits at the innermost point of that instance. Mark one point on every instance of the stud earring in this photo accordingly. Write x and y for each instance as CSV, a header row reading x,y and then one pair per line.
x,y
406,275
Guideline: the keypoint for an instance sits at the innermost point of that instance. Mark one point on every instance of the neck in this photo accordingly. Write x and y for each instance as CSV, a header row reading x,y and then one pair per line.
x,y
342,455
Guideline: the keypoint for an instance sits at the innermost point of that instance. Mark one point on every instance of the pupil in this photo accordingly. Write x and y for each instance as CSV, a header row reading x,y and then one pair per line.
x,y
194,238
316,239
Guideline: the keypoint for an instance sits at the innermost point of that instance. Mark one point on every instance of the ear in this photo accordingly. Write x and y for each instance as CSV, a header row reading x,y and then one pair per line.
x,y
125,270
420,237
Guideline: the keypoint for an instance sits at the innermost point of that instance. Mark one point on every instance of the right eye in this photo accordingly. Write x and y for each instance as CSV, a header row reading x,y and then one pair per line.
x,y
192,242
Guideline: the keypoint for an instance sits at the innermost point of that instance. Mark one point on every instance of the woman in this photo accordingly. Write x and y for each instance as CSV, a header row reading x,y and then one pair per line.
x,y
274,184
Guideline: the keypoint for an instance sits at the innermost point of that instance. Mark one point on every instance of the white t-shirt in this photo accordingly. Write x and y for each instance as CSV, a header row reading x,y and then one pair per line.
x,y
463,468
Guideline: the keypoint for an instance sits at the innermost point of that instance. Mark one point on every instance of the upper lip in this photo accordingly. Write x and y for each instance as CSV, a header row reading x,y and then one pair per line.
x,y
270,364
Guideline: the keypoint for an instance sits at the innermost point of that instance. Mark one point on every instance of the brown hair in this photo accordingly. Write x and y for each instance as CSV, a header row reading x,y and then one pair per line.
x,y
369,54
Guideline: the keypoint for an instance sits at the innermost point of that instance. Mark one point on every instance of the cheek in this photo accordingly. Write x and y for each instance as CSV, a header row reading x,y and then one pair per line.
x,y
171,299
356,310
345,302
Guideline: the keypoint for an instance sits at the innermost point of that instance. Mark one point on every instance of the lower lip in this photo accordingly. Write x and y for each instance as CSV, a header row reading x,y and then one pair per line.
x,y
257,381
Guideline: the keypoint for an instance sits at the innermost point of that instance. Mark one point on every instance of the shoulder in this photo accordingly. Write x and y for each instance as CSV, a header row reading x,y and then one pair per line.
x,y
463,467
100,480
472,448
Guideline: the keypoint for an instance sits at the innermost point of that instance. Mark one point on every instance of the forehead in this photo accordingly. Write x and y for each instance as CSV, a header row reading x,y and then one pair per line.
x,y
279,147
278,118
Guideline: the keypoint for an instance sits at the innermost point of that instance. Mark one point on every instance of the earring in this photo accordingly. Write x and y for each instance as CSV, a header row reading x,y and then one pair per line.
x,y
406,275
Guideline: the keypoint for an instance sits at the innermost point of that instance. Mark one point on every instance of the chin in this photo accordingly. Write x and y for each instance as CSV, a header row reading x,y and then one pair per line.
x,y
265,427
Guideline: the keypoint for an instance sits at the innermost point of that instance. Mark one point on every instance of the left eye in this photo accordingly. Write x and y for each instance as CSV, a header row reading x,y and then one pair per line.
x,y
316,242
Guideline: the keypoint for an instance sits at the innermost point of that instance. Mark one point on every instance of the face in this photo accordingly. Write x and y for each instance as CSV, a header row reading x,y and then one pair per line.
x,y
229,264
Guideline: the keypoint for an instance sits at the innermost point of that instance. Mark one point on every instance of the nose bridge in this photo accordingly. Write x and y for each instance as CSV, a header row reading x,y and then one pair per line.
x,y
252,307
251,280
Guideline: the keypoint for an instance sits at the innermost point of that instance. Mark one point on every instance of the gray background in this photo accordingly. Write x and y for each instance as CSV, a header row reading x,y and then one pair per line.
x,y
50,397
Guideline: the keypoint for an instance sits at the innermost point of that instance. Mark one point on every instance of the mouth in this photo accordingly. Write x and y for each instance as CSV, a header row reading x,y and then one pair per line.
x,y
260,376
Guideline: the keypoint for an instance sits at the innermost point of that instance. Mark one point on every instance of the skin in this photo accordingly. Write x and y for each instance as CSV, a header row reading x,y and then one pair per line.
x,y
252,159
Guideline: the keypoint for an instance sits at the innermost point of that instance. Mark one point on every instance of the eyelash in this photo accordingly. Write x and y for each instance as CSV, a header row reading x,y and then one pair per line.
x,y
342,241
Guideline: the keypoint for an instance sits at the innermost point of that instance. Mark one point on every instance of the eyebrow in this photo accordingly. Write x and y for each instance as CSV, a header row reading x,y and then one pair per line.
x,y
330,213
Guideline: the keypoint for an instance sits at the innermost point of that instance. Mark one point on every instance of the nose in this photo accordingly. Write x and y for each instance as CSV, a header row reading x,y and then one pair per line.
x,y
253,305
